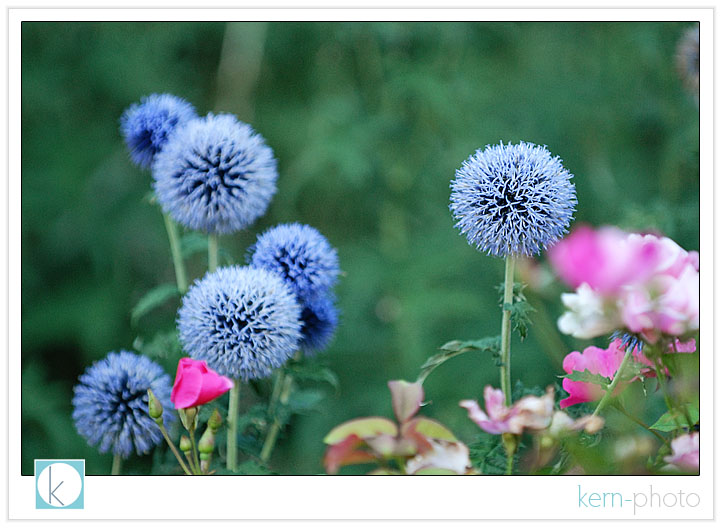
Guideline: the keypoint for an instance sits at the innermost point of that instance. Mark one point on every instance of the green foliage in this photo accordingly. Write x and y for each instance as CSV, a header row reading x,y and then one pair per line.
x,y
154,298
520,309
161,345
587,377
678,419
487,455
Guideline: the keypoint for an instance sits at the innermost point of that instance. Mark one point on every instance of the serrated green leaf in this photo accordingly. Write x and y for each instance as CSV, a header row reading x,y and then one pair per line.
x,y
587,377
670,421
363,428
154,298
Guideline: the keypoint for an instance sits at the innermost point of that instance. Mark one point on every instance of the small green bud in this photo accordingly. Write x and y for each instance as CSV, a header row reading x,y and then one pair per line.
x,y
215,421
207,442
155,407
185,444
510,441
189,417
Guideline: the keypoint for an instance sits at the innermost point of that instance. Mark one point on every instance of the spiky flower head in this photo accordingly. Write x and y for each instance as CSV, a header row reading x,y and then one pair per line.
x,y
243,321
215,174
512,199
110,405
688,59
319,319
299,254
146,125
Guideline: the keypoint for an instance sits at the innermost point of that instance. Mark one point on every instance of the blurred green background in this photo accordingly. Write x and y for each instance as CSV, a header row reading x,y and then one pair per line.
x,y
369,122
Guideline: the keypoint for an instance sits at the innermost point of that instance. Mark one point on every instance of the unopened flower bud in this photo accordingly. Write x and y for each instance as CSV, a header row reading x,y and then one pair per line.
x,y
207,442
155,407
185,444
215,421
189,417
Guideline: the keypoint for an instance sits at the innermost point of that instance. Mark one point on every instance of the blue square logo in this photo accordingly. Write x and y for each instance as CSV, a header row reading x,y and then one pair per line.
x,y
59,484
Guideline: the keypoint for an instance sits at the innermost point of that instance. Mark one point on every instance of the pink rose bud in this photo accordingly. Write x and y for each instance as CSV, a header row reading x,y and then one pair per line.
x,y
196,384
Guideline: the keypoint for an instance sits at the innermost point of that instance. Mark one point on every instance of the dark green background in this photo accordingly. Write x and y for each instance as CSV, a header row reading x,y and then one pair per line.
x,y
369,123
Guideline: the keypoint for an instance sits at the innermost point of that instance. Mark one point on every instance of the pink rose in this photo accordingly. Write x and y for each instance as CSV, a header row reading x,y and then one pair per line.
x,y
597,361
196,384
606,259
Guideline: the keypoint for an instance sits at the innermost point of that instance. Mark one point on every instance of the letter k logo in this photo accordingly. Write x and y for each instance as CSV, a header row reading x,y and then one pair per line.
x,y
51,491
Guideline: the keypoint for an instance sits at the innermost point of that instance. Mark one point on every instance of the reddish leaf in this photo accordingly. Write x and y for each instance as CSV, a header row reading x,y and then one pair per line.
x,y
406,398
345,453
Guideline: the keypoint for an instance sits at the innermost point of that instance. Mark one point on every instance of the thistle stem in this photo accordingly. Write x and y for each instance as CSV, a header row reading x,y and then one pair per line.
x,y
180,269
117,463
233,403
174,449
212,252
609,394
505,369
272,436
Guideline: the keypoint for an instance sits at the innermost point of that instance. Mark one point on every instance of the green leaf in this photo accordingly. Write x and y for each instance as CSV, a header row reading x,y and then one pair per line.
x,y
455,348
311,371
302,401
488,455
361,427
669,420
154,298
192,243
519,308
161,345
587,377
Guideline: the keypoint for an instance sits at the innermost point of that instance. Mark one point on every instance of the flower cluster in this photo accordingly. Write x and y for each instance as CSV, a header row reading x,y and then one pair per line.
x,y
643,284
212,173
110,403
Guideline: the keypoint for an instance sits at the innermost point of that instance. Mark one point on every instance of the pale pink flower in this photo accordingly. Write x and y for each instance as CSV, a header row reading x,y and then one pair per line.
x,y
530,412
589,314
685,453
563,424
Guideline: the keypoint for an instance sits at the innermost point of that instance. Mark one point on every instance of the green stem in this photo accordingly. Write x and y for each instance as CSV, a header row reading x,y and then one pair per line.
x,y
609,394
270,442
174,449
212,252
640,423
509,464
117,462
505,369
194,450
233,403
175,250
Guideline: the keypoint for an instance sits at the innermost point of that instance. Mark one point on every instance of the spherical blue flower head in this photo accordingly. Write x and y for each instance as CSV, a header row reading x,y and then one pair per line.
x,y
215,174
111,403
512,199
243,321
299,254
147,125
319,319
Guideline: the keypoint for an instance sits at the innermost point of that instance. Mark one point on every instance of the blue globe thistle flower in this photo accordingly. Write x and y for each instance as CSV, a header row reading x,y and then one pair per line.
x,y
319,319
512,199
111,403
215,174
299,254
147,125
243,321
